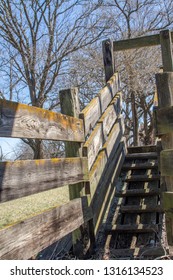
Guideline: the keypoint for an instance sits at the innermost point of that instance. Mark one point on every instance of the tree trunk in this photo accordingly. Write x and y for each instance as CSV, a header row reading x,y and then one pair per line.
x,y
38,149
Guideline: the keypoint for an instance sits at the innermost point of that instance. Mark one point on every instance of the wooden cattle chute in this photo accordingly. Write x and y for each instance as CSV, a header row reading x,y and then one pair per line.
x,y
94,146
163,113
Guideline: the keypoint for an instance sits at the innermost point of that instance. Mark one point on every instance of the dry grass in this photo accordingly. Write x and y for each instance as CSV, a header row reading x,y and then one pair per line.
x,y
17,210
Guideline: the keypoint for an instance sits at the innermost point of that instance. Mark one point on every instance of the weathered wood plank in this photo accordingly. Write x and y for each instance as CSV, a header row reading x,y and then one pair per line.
x,y
105,186
142,156
132,228
141,178
138,192
27,238
108,59
97,106
100,133
164,120
138,166
111,145
22,121
166,47
168,208
26,177
164,83
140,42
166,162
140,209
141,149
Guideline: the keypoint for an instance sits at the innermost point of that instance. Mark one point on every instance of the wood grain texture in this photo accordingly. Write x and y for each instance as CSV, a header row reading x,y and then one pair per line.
x,y
101,131
26,177
164,120
166,48
22,121
166,162
108,59
105,188
164,83
93,111
109,147
168,209
134,43
27,238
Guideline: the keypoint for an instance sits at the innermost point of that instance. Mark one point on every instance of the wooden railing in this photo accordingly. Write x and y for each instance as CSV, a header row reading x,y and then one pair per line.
x,y
163,113
98,132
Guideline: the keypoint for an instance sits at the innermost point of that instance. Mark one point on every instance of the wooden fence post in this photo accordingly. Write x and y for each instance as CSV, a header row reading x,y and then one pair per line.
x,y
108,58
70,106
164,82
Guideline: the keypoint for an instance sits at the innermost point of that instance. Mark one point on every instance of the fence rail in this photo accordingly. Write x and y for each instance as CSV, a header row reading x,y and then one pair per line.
x,y
100,127
22,121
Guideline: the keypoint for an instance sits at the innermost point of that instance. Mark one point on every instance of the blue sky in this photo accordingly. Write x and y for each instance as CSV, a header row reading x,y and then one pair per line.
x,y
8,146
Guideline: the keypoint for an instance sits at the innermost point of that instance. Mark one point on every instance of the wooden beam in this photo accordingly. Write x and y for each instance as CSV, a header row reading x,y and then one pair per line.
x,y
164,120
108,58
141,149
23,121
140,209
137,193
168,208
28,237
164,83
166,47
128,228
26,177
101,131
137,166
93,111
141,178
152,155
69,101
134,43
166,162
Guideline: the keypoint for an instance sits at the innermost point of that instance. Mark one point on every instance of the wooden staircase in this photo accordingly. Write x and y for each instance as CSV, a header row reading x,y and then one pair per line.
x,y
136,224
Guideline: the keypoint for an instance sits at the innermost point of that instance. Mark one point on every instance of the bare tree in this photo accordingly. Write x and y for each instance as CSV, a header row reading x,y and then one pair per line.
x,y
39,37
133,18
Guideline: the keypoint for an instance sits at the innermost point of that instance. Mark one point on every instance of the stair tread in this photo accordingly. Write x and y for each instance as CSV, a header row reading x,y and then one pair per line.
x,y
132,228
140,209
150,155
142,178
140,149
138,192
137,251
134,166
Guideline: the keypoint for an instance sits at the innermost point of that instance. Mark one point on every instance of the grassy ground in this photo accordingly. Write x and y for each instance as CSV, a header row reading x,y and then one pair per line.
x,y
22,208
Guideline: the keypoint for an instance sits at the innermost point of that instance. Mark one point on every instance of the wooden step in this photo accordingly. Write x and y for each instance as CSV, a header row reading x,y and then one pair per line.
x,y
140,228
145,251
134,156
141,149
138,192
140,209
141,178
138,166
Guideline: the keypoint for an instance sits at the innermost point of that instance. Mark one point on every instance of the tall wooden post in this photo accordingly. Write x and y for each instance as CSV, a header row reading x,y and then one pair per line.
x,y
70,106
108,58
164,82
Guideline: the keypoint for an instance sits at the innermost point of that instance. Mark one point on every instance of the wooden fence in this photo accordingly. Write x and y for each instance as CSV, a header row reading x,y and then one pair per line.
x,y
97,132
